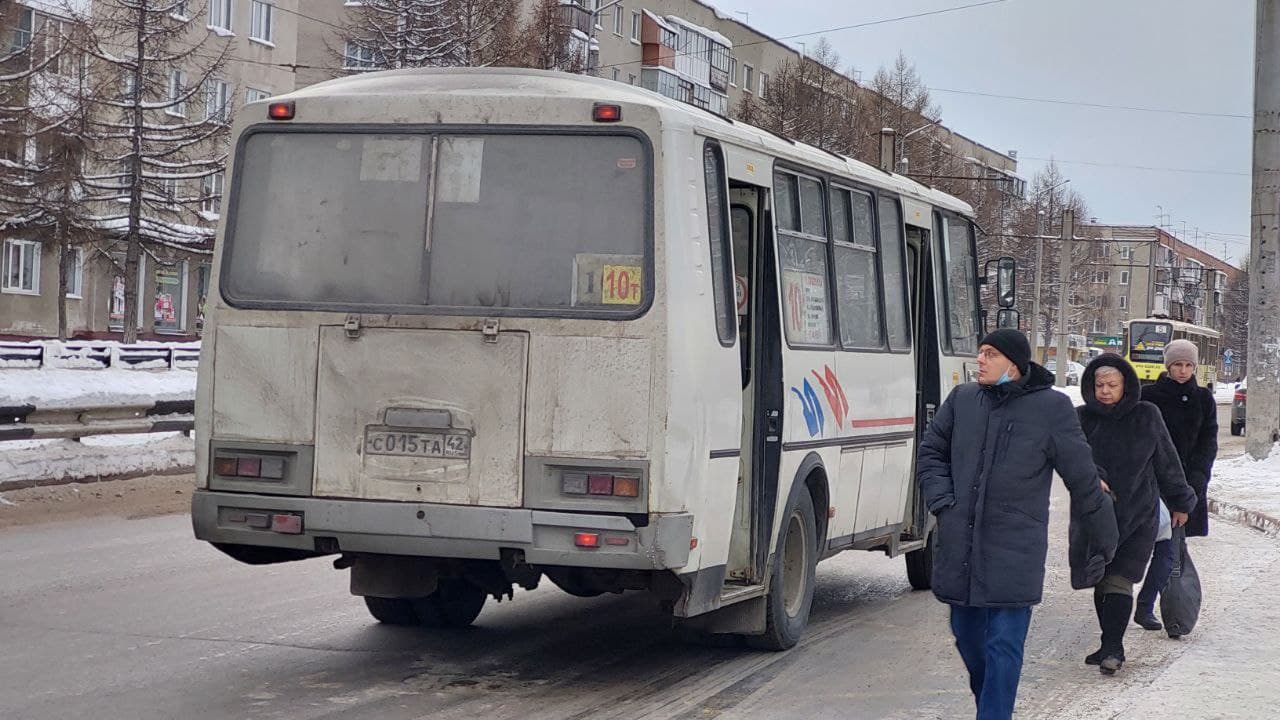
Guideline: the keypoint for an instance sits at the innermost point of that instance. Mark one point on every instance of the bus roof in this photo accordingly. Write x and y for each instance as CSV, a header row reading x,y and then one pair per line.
x,y
1178,325
512,82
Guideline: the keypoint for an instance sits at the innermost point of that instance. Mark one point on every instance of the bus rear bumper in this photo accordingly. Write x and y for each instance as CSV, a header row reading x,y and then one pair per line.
x,y
329,525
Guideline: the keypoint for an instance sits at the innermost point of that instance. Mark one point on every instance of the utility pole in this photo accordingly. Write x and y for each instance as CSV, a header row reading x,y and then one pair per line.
x,y
1064,291
1035,297
1263,421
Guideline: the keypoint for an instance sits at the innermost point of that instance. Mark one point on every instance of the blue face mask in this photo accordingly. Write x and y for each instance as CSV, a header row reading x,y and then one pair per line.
x,y
1004,378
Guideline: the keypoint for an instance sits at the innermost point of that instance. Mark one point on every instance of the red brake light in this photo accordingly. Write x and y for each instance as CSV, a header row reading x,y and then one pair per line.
x,y
600,484
604,112
586,540
283,110
1239,397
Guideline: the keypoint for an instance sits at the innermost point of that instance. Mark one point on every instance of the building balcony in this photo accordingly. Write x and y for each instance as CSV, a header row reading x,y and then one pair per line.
x,y
577,17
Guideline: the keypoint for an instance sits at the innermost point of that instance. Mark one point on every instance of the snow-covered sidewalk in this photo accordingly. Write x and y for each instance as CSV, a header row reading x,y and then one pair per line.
x,y
26,462
79,388
1249,484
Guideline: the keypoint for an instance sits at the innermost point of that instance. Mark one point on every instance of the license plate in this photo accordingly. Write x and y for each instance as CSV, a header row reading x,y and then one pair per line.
x,y
411,444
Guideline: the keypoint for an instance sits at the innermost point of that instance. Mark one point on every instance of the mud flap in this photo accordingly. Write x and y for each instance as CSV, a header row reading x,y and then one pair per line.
x,y
743,618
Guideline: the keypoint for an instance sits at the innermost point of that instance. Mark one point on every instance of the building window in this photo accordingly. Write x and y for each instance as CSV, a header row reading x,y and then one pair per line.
x,y
1124,277
631,78
115,304
1099,325
177,89
22,31
764,83
618,20
220,14
22,267
262,21
748,77
1124,302
1126,252
75,273
169,187
255,95
1101,277
635,26
358,57
616,73
202,293
733,71
211,194
170,281
217,101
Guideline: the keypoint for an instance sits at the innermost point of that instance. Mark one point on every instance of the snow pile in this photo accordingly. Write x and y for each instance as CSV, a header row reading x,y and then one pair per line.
x,y
80,388
1248,483
94,457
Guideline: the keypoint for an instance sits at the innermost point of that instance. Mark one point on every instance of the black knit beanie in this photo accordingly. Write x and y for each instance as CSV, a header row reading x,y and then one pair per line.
x,y
1013,345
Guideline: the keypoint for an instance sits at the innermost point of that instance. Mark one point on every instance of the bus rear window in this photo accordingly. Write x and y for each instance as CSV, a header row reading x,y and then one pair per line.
x,y
1147,341
512,222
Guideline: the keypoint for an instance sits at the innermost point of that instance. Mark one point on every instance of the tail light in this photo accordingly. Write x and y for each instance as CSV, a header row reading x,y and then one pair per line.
x,y
283,110
586,540
256,467
1239,396
606,113
601,484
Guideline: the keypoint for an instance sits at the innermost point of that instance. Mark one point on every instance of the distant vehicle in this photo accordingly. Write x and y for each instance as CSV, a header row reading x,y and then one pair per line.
x,y
1075,370
1237,407
1146,339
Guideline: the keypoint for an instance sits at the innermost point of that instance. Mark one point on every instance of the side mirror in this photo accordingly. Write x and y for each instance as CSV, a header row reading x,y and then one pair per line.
x,y
1006,285
1007,318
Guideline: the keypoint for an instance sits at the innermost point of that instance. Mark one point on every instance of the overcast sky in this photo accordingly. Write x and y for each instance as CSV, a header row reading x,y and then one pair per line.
x,y
1186,55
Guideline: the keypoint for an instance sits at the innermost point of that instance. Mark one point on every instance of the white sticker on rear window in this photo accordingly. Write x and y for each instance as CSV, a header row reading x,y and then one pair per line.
x,y
391,159
460,167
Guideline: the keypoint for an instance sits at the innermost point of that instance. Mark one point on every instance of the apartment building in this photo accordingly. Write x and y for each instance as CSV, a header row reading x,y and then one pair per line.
x,y
1139,271
174,270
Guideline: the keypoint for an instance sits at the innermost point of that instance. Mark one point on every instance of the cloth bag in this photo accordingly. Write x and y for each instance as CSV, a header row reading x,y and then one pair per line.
x,y
1180,601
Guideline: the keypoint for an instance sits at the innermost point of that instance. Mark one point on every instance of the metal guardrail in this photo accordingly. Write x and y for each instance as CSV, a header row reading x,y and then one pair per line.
x,y
96,355
28,422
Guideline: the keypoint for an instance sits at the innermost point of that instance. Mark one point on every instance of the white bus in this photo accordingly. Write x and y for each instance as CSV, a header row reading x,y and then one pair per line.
x,y
477,327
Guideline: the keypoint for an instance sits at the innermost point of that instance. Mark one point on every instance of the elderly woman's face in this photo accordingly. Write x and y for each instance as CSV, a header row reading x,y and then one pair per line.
x,y
1108,386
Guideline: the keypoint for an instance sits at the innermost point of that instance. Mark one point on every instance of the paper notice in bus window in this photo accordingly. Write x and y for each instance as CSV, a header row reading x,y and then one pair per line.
x,y
460,165
391,159
600,279
807,312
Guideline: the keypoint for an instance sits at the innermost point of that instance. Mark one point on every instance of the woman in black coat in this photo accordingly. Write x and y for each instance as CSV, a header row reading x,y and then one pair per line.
x,y
1137,459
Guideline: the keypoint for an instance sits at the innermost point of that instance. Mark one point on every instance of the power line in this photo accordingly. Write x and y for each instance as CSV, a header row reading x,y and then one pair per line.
x,y
1101,106
1195,171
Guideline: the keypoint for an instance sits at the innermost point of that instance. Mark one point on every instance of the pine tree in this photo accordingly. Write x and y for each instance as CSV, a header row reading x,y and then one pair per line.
x,y
160,122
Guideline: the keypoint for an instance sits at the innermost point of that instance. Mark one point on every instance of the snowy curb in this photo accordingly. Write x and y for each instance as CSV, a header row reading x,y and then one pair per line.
x,y
1252,519
11,485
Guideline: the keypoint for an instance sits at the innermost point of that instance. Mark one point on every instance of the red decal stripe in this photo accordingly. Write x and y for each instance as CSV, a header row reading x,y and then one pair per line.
x,y
883,422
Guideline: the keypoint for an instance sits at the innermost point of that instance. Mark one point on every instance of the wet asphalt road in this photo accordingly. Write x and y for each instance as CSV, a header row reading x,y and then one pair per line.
x,y
133,619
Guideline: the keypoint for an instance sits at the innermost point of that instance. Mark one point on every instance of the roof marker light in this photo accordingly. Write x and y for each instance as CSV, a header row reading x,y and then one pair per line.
x,y
283,110
605,112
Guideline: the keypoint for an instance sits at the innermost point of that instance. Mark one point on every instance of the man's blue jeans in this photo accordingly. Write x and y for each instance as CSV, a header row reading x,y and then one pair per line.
x,y
990,641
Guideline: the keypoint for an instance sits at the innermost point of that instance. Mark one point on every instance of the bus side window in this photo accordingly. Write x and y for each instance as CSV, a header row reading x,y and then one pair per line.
x,y
802,259
895,290
719,240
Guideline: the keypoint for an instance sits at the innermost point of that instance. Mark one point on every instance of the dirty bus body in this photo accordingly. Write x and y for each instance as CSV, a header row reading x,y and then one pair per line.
x,y
473,329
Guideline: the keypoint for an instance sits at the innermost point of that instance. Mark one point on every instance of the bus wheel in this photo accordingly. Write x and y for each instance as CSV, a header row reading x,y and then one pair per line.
x,y
391,611
791,585
1237,428
455,603
920,564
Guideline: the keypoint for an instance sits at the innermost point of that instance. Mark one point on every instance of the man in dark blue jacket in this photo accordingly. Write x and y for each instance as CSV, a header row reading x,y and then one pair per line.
x,y
986,467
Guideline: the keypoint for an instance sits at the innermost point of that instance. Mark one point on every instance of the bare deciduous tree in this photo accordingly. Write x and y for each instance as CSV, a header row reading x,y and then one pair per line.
x,y
398,34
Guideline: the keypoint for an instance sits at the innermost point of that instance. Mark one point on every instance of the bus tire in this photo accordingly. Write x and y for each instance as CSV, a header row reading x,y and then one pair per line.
x,y
1237,428
790,596
920,564
391,611
455,604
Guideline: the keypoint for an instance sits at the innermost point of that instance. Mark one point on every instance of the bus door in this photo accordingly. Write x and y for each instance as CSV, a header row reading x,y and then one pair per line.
x,y
759,331
928,373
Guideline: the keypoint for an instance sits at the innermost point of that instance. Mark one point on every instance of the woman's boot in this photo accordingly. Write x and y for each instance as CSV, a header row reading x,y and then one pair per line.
x,y
1095,657
1115,618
